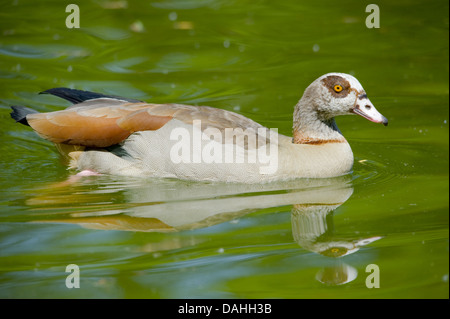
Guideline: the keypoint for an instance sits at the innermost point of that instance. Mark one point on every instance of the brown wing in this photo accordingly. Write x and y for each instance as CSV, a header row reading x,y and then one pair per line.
x,y
104,122
95,123
209,116
219,119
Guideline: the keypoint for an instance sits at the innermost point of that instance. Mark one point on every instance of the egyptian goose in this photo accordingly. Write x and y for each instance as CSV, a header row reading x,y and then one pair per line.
x,y
114,135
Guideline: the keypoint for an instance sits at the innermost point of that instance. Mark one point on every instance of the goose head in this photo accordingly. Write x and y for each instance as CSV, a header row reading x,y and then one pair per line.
x,y
331,95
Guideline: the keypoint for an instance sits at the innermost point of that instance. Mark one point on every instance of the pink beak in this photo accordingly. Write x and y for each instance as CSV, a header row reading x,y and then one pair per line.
x,y
366,109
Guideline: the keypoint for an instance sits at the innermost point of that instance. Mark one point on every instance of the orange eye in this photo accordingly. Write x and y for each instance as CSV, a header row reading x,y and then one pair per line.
x,y
338,88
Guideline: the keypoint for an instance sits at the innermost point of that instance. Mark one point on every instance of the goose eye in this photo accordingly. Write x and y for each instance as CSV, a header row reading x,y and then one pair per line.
x,y
338,88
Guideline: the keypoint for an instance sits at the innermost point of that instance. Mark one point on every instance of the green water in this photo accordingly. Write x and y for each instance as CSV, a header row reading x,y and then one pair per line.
x,y
135,238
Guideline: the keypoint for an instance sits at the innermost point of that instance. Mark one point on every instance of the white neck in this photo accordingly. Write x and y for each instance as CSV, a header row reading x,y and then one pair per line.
x,y
309,128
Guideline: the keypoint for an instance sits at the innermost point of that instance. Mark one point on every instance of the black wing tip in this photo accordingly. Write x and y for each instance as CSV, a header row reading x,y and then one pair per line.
x,y
19,113
55,91
49,91
78,96
71,95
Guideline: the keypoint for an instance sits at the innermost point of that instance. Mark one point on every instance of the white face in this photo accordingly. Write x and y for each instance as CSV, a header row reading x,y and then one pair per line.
x,y
340,94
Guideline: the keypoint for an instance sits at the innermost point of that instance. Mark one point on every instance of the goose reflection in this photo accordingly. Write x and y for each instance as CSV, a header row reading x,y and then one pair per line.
x,y
312,228
172,206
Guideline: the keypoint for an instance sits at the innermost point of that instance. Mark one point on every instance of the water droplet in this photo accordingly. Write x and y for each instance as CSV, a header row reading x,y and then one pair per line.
x,y
173,16
137,26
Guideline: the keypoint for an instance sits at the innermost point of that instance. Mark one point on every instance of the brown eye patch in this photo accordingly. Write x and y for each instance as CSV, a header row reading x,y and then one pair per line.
x,y
338,86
